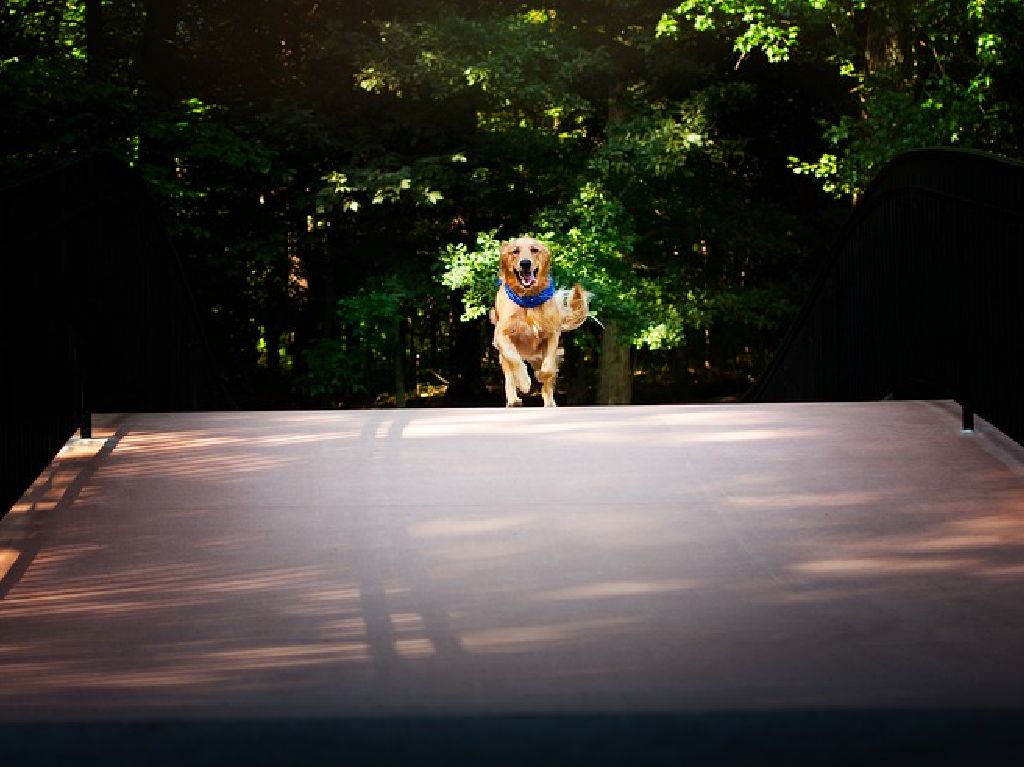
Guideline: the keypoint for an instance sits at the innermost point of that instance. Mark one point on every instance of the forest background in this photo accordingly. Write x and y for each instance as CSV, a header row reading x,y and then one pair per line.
x,y
336,176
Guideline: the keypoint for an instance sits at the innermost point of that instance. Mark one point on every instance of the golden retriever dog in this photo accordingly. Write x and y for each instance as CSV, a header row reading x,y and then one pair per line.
x,y
529,317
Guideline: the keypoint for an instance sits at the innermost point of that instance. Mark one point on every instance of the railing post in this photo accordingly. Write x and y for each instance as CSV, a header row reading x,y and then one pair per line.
x,y
84,414
966,418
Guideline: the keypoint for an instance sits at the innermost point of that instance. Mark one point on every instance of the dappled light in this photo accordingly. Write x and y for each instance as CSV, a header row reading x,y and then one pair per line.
x,y
746,435
668,558
805,500
612,589
207,454
989,546
459,527
882,566
531,638
7,559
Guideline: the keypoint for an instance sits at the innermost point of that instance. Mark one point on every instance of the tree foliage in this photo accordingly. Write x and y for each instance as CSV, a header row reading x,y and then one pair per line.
x,y
934,73
339,176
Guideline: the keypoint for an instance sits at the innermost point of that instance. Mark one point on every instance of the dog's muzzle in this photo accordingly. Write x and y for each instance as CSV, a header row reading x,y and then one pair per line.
x,y
526,273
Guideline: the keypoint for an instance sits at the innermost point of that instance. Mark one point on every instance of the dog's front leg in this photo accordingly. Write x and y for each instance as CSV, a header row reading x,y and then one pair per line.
x,y
512,372
549,370
512,365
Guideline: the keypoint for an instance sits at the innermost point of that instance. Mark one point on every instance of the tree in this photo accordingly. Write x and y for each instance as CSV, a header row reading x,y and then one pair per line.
x,y
610,133
315,162
934,73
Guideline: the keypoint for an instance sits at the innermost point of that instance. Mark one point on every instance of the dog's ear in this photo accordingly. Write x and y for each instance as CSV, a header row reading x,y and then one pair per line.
x,y
545,263
504,270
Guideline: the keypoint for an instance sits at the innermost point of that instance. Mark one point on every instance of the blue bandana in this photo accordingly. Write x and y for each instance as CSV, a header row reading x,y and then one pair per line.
x,y
531,302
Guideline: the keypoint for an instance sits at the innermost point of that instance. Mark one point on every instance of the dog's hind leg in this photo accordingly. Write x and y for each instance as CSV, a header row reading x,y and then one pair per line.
x,y
549,363
547,389
549,370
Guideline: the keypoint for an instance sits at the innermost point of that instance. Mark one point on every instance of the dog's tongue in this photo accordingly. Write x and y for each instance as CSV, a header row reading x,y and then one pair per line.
x,y
527,279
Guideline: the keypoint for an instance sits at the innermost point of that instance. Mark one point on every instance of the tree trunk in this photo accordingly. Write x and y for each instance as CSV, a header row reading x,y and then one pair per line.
x,y
94,42
466,383
399,331
573,375
887,41
615,371
157,59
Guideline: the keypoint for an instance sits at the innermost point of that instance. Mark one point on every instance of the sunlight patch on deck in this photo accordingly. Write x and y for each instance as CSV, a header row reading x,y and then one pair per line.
x,y
7,559
457,527
611,589
881,566
511,639
804,500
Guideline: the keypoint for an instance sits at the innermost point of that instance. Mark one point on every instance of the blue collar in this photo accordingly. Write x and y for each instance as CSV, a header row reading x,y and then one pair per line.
x,y
531,302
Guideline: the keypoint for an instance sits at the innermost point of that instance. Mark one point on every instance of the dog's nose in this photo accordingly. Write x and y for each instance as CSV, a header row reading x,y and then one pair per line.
x,y
525,265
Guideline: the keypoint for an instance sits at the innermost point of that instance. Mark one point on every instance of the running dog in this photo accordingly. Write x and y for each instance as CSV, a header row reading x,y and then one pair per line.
x,y
529,317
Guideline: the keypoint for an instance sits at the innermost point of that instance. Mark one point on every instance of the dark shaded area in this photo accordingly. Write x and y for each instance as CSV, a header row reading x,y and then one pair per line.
x,y
97,314
921,296
243,118
763,738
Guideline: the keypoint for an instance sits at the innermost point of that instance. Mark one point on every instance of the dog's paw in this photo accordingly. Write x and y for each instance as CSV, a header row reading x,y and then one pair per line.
x,y
514,403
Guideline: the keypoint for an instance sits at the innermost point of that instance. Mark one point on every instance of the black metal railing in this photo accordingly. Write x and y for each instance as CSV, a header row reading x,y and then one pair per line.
x,y
923,296
97,314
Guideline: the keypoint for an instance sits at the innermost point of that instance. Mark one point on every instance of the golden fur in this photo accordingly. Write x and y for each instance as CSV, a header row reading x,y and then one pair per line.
x,y
531,335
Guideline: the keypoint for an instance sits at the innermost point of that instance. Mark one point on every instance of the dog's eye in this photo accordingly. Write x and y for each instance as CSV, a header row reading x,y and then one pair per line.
x,y
534,249
515,251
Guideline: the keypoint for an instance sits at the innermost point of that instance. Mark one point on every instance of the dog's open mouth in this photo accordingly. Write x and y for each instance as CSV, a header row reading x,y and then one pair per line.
x,y
527,278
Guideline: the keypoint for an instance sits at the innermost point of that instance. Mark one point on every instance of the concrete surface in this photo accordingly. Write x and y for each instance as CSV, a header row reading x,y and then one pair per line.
x,y
600,585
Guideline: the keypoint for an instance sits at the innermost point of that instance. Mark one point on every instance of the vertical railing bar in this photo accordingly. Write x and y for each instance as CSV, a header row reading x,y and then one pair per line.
x,y
966,418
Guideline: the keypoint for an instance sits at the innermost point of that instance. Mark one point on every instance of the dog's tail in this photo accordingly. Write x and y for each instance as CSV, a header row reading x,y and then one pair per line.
x,y
574,305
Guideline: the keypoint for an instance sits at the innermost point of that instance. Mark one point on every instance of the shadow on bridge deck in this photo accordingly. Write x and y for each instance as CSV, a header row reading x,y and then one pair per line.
x,y
812,583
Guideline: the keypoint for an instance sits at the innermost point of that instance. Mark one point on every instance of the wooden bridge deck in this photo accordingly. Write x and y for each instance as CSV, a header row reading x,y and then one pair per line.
x,y
600,585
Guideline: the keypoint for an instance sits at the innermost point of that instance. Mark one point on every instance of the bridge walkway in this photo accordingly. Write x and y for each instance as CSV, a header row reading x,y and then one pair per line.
x,y
592,585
